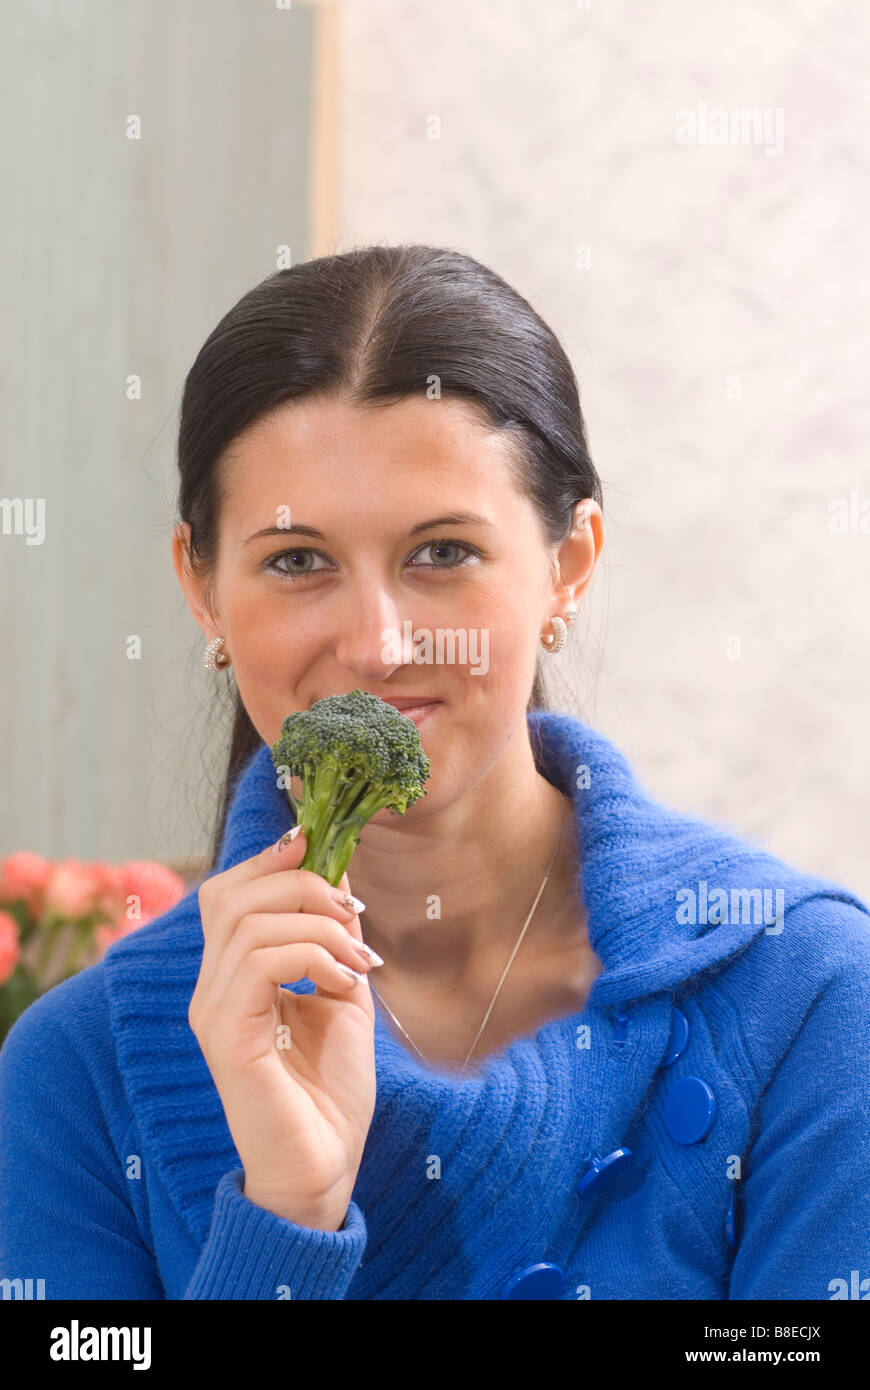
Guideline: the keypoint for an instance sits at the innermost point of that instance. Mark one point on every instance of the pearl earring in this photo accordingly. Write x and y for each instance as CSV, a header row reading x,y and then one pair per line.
x,y
215,659
556,641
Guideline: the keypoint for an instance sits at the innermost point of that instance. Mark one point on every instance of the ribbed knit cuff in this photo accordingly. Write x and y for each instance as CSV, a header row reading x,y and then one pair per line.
x,y
252,1253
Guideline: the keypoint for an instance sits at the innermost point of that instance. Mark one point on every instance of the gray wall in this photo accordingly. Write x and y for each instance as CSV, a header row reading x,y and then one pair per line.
x,y
119,257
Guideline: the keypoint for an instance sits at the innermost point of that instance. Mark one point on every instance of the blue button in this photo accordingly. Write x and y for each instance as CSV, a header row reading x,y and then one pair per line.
x,y
690,1109
732,1219
538,1281
620,1029
679,1037
601,1170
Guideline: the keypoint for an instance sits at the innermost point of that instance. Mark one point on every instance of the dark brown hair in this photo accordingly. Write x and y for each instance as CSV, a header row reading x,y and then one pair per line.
x,y
375,325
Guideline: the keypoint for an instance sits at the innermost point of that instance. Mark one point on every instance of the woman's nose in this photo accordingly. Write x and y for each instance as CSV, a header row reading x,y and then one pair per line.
x,y
375,632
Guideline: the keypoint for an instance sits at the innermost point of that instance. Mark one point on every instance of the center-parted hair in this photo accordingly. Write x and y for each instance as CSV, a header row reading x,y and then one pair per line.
x,y
375,326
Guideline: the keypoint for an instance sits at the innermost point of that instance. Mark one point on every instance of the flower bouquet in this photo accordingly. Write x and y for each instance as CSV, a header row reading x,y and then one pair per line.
x,y
58,918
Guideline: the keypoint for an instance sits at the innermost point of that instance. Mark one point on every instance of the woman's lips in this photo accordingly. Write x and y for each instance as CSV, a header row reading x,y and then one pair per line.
x,y
418,714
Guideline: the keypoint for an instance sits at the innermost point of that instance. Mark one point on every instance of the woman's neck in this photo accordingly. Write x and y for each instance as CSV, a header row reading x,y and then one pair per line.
x,y
442,891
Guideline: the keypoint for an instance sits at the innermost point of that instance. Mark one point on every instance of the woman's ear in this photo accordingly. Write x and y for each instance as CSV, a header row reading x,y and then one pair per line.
x,y
195,588
578,554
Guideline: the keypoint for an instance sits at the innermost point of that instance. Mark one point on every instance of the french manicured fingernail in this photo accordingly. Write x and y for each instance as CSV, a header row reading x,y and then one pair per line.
x,y
350,974
350,902
286,838
367,954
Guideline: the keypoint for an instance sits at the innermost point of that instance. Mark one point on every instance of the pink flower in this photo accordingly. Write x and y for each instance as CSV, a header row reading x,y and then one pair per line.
x,y
111,900
105,935
156,887
72,889
8,946
24,875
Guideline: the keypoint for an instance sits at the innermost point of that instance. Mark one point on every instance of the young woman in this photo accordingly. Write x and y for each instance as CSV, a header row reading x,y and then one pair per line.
x,y
593,1048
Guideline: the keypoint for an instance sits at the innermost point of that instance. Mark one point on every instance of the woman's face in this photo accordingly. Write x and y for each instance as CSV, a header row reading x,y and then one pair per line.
x,y
304,617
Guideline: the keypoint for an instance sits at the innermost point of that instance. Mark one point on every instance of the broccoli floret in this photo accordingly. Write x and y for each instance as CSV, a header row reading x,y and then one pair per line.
x,y
355,755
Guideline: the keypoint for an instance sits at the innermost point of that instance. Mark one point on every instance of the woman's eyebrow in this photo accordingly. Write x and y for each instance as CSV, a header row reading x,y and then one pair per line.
x,y
451,519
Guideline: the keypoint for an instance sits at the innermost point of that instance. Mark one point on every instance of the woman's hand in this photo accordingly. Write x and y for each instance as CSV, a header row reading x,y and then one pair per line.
x,y
295,1073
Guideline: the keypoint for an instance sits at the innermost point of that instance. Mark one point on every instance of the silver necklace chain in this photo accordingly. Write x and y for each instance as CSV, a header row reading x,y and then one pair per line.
x,y
504,972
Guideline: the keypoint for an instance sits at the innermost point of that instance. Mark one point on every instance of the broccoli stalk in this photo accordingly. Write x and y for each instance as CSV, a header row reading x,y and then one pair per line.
x,y
355,754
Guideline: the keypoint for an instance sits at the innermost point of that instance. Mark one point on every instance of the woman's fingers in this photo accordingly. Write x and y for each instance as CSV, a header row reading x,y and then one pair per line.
x,y
293,890
251,993
223,903
270,884
268,930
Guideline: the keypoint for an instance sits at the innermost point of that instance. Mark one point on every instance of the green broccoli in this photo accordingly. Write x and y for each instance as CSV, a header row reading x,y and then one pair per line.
x,y
355,755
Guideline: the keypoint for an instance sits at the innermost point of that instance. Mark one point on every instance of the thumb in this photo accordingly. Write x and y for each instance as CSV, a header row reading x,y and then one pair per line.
x,y
284,854
287,852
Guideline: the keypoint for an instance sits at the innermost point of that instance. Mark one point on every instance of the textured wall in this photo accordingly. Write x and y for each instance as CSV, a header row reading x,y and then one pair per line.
x,y
719,336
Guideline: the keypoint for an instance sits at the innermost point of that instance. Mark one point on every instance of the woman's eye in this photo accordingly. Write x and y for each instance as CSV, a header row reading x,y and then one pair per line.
x,y
272,563
292,571
449,545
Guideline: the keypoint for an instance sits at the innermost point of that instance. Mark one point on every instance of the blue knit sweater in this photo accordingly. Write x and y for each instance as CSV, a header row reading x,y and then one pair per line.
x,y
698,1130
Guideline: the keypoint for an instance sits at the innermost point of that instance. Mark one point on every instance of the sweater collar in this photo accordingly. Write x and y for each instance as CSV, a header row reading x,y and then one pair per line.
x,y
635,855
